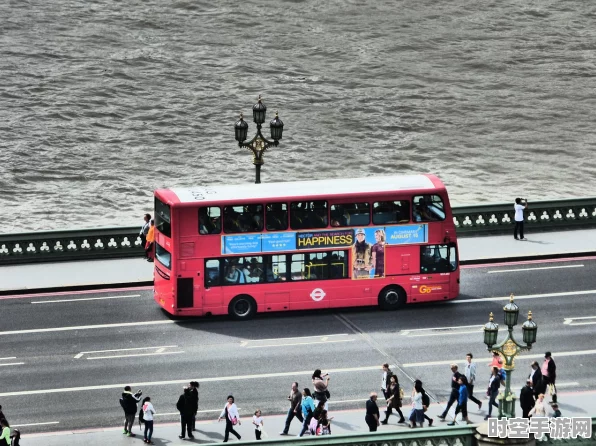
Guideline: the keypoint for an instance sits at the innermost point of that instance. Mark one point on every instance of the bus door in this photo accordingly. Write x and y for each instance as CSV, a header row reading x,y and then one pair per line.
x,y
437,263
210,295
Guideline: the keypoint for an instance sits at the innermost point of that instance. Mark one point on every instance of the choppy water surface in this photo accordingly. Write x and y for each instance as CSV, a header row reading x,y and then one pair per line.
x,y
103,101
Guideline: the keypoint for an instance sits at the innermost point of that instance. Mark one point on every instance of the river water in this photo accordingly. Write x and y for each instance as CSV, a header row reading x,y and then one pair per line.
x,y
103,101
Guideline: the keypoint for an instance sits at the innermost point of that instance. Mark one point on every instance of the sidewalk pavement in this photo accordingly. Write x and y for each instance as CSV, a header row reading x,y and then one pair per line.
x,y
478,249
571,404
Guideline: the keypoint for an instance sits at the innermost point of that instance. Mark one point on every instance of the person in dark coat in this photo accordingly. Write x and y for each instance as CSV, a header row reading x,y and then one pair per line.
x,y
526,399
194,390
536,377
454,396
185,406
549,375
372,413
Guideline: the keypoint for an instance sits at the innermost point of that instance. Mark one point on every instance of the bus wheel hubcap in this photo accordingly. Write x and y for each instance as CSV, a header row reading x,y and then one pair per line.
x,y
242,307
391,297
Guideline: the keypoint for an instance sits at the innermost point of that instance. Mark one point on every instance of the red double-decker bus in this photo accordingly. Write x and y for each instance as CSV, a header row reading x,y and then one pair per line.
x,y
249,248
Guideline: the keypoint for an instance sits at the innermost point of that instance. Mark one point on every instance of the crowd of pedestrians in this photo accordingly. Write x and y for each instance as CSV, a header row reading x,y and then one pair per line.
x,y
310,407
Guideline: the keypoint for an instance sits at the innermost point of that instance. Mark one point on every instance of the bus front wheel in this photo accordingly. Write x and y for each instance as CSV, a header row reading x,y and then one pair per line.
x,y
392,298
242,308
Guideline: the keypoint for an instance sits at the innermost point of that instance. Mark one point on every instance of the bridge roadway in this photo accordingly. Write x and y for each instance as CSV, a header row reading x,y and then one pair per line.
x,y
66,356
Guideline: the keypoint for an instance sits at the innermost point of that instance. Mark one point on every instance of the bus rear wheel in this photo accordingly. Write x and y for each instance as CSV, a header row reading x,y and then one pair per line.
x,y
242,308
392,298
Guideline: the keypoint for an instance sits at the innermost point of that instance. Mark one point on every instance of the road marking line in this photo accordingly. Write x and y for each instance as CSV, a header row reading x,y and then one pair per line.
x,y
12,363
184,381
8,357
300,343
570,384
528,296
374,368
86,327
533,356
199,411
137,354
534,269
125,350
443,328
296,337
83,299
569,320
36,424
445,333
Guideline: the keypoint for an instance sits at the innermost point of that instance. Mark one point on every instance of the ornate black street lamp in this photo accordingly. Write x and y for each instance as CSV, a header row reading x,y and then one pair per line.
x,y
509,349
259,143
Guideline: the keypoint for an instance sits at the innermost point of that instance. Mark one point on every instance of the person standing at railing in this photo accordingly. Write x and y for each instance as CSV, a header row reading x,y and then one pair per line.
x,y
145,230
150,244
519,207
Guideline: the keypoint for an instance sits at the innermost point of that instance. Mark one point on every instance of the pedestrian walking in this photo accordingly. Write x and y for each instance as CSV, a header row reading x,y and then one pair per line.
x,y
321,387
372,413
16,437
257,420
454,395
150,243
536,377
194,391
295,410
519,207
145,230
470,374
386,380
2,417
539,408
185,406
497,361
324,424
308,409
232,417
4,433
426,405
494,384
417,413
129,401
314,421
549,375
462,402
394,400
556,411
526,399
148,412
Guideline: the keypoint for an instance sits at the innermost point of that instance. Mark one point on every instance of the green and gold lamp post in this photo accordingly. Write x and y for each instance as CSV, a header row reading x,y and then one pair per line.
x,y
509,349
259,144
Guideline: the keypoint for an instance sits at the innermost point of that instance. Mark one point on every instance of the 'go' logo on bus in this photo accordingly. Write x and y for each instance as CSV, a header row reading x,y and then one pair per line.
x,y
428,289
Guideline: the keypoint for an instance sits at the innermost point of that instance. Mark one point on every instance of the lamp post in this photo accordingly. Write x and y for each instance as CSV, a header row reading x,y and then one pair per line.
x,y
259,144
509,349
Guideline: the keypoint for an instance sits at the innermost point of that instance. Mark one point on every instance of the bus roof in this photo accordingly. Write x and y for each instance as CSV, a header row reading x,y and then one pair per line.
x,y
300,189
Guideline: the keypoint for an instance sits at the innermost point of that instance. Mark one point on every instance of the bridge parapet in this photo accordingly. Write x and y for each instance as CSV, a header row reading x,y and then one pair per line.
x,y
122,242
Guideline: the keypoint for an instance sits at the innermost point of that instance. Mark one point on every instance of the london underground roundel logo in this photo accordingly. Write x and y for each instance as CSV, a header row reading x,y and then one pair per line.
x,y
317,294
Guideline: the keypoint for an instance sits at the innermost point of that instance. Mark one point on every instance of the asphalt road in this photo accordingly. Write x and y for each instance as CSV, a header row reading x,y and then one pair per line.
x,y
65,358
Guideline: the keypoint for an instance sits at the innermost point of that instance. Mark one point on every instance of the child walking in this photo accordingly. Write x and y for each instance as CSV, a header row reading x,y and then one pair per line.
x,y
257,420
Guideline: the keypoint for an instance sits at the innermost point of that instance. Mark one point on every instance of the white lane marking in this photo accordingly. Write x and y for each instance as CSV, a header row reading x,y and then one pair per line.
x,y
86,327
12,363
83,299
135,355
36,424
185,381
570,384
261,376
443,328
348,401
124,350
300,343
451,333
569,320
199,411
528,296
295,337
533,269
8,357
533,356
